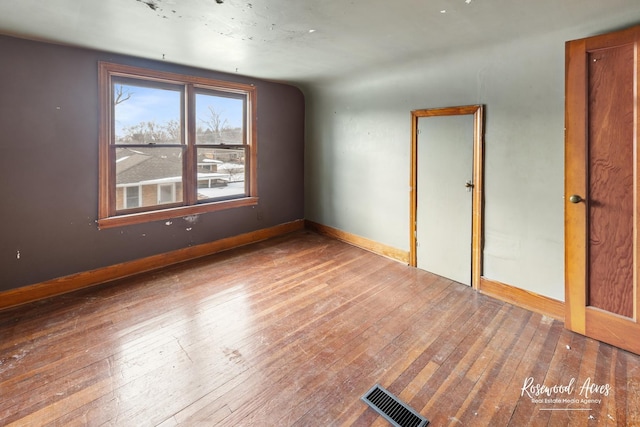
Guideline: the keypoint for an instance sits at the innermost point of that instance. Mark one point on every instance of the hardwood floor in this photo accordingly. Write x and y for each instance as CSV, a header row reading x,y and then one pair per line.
x,y
292,332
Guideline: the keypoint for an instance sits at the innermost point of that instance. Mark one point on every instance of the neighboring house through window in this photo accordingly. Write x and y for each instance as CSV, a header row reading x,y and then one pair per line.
x,y
166,193
132,197
173,145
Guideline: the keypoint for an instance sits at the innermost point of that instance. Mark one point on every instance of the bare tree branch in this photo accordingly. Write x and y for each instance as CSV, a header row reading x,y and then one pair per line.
x,y
215,123
121,95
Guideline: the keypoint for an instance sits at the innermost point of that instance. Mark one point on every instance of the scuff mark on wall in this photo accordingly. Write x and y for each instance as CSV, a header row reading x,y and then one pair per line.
x,y
502,245
191,218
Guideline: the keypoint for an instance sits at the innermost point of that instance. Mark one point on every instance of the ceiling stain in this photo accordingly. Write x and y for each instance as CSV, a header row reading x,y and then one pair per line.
x,y
149,3
244,34
155,6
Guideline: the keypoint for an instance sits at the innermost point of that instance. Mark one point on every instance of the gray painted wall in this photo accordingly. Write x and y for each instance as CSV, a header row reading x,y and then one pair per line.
x,y
358,151
49,175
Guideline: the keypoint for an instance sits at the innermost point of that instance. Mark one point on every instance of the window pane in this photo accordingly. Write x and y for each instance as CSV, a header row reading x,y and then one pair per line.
x,y
155,171
219,119
146,115
132,196
221,173
166,193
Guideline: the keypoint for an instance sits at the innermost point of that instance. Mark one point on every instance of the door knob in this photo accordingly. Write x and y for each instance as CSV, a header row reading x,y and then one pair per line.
x,y
575,199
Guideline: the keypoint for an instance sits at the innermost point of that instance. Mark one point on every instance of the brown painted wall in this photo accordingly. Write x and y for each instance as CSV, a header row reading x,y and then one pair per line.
x,y
49,175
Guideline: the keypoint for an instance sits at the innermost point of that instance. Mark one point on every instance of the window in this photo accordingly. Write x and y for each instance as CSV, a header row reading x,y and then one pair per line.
x,y
173,145
166,193
132,197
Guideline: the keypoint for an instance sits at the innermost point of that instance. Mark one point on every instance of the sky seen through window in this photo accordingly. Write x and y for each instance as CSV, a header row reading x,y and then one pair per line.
x,y
163,105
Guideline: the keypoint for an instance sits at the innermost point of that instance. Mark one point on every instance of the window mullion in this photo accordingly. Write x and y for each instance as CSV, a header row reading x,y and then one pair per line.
x,y
190,180
111,177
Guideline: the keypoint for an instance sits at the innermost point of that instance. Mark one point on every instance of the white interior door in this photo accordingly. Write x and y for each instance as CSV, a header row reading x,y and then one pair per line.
x,y
444,196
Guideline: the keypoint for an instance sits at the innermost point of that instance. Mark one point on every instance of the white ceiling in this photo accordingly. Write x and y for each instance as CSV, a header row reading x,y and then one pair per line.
x,y
299,40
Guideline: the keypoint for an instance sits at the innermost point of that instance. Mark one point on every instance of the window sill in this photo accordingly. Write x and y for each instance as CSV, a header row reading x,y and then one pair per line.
x,y
158,215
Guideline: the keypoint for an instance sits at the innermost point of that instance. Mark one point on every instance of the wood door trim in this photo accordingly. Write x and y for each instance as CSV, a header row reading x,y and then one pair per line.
x,y
575,184
604,41
478,180
636,180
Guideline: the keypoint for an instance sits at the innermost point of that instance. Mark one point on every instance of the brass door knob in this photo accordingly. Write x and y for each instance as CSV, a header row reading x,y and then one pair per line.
x,y
575,199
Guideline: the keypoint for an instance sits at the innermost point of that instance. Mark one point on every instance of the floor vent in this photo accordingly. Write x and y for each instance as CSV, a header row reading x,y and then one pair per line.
x,y
392,409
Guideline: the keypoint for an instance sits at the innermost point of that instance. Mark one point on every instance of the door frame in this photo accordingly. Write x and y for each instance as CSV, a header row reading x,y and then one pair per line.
x,y
477,111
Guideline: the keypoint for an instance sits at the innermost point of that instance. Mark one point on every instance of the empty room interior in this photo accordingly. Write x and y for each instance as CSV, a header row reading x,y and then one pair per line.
x,y
320,213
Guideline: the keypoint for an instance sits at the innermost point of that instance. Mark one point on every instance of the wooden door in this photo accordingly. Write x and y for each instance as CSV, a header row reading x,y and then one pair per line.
x,y
601,189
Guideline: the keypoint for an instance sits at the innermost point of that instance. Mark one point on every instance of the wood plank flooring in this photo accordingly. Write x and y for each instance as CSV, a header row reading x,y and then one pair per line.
x,y
292,332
